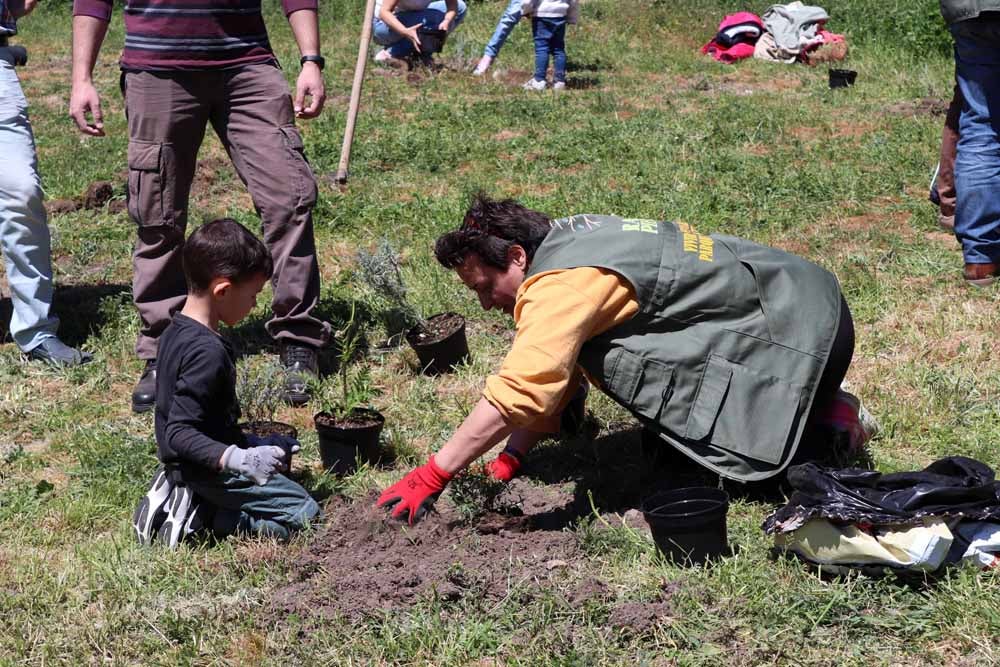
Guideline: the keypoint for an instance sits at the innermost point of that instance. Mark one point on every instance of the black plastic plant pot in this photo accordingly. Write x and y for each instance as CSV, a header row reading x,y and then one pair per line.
x,y
440,343
344,442
431,40
266,428
842,78
689,525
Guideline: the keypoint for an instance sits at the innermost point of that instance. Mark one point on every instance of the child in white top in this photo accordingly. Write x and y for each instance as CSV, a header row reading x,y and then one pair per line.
x,y
548,26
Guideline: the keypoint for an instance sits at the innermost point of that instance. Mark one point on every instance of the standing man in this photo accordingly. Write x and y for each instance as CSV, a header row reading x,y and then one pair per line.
x,y
183,66
975,25
24,231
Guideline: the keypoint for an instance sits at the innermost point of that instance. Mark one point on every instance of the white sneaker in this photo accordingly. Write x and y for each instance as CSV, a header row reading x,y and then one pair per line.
x,y
559,85
382,56
484,64
179,508
149,514
534,84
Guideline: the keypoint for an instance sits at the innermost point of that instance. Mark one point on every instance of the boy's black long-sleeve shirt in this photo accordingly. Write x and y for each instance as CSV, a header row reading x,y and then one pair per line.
x,y
196,406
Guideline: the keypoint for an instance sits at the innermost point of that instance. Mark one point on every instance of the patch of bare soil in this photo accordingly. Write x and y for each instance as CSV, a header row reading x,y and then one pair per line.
x,y
97,195
362,565
927,106
512,77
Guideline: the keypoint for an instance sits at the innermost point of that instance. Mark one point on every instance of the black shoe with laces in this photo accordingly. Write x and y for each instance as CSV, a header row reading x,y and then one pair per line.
x,y
144,394
301,365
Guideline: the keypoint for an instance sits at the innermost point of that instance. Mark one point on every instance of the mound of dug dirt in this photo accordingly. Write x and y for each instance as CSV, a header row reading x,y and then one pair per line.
x,y
361,565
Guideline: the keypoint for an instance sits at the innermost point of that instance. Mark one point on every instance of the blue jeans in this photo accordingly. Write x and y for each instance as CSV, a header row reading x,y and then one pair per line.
x,y
242,507
400,47
24,230
977,166
550,38
508,20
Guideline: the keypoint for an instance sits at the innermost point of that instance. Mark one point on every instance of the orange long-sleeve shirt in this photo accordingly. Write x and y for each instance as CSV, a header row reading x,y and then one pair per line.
x,y
555,313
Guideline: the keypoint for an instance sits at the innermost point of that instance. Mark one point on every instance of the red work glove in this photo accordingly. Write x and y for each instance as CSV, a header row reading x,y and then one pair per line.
x,y
414,495
503,467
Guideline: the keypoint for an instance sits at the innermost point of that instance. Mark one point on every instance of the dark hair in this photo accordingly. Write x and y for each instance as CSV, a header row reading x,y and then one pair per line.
x,y
224,248
489,229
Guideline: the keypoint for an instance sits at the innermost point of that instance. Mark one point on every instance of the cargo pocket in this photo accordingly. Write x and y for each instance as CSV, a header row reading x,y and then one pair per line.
x,y
743,411
645,385
146,183
300,173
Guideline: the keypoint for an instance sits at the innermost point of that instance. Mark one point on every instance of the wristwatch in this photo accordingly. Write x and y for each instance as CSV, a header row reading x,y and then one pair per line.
x,y
319,60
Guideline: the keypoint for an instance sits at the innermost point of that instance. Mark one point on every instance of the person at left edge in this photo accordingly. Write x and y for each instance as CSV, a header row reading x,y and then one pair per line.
x,y
24,230
183,67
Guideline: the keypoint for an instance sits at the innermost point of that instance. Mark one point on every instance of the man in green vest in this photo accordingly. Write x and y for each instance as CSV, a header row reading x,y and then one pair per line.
x,y
725,349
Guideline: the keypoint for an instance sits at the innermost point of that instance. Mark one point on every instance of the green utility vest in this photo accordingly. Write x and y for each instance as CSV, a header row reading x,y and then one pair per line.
x,y
731,338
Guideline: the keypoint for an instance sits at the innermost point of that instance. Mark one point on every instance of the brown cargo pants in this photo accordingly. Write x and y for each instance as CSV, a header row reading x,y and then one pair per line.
x,y
250,110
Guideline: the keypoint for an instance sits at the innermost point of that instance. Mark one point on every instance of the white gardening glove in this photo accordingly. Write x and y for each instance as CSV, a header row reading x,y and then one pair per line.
x,y
258,463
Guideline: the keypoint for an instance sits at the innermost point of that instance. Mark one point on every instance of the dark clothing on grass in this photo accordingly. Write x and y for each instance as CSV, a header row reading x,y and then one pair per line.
x,y
196,406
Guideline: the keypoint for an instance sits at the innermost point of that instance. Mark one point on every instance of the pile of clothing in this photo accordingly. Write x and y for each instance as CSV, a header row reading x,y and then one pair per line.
x,y
920,521
786,34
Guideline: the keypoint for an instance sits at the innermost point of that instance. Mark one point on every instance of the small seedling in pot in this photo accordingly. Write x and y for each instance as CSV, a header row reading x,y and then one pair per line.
x,y
382,272
260,391
345,426
439,340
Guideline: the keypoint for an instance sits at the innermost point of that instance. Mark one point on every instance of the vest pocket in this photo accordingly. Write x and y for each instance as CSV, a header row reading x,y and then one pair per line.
x,y
744,411
645,384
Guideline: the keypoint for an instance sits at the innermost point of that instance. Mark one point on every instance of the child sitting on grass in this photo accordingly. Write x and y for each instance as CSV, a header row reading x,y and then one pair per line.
x,y
212,476
548,27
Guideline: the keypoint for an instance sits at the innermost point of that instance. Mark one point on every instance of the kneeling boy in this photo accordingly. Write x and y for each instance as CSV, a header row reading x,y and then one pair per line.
x,y
213,476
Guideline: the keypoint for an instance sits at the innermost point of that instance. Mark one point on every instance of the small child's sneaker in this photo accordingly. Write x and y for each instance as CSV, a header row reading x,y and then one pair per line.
x,y
149,514
179,508
559,85
534,84
483,65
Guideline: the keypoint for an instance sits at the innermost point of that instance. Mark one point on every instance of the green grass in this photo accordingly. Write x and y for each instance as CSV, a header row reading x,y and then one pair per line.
x,y
655,130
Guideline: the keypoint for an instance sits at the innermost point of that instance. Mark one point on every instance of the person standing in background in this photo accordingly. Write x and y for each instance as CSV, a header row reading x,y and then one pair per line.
x,y
24,230
975,25
184,66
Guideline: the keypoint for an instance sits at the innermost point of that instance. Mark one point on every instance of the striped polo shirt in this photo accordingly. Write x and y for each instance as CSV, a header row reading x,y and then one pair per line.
x,y
191,34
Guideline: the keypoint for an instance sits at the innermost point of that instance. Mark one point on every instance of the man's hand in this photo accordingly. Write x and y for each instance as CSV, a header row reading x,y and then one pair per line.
x,y
414,495
310,84
445,24
84,101
258,463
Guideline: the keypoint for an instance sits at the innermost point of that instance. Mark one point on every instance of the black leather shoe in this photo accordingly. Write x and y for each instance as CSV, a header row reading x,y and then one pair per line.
x,y
301,365
54,352
144,394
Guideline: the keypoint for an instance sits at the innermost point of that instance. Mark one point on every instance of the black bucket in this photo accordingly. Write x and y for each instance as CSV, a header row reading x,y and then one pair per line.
x,y
441,355
341,447
431,40
842,78
688,525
